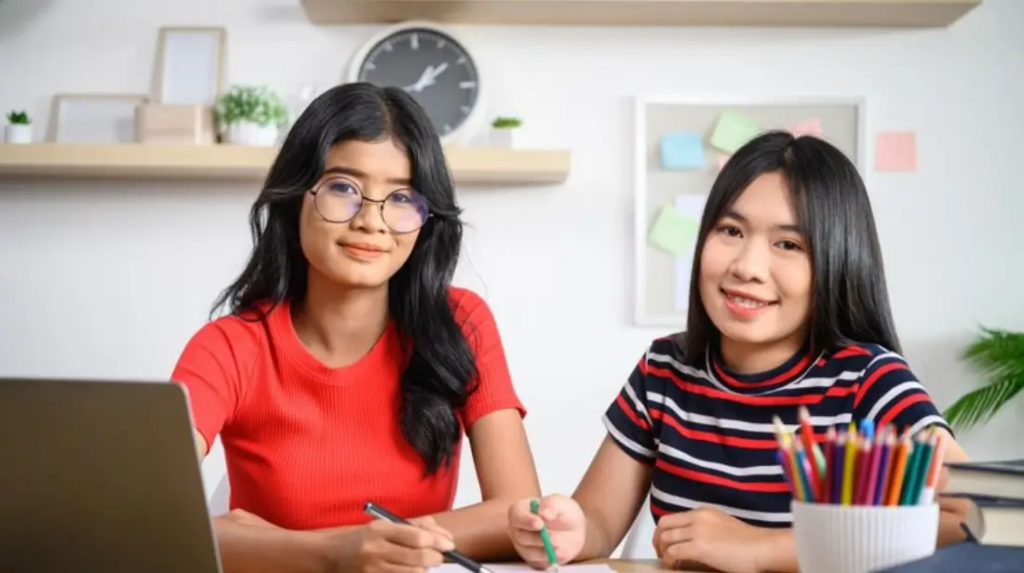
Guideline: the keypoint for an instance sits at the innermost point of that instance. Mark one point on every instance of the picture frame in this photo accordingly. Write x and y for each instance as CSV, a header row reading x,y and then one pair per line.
x,y
94,118
190,66
661,280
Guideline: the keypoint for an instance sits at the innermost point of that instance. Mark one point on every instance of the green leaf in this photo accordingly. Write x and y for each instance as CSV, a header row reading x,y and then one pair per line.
x,y
998,357
256,104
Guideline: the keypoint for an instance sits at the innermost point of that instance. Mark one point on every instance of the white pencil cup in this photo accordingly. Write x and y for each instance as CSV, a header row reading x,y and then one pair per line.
x,y
862,539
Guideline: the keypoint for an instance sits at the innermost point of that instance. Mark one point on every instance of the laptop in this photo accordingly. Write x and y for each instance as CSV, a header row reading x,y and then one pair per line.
x,y
100,477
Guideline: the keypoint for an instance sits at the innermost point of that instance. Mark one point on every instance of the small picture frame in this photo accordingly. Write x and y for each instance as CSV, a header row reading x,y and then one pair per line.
x,y
189,66
94,118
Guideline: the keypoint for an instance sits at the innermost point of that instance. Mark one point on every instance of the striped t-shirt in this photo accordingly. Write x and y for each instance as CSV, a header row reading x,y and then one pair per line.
x,y
709,432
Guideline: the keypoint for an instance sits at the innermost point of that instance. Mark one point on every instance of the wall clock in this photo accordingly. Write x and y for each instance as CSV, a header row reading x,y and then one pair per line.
x,y
431,65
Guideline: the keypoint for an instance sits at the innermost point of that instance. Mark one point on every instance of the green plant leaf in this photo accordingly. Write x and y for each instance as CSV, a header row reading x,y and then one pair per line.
x,y
998,357
256,104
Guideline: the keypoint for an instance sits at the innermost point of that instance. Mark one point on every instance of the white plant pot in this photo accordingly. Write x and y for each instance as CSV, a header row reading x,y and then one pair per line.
x,y
248,133
18,133
504,138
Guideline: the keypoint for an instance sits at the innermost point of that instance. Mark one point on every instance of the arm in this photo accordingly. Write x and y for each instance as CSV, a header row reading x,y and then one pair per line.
x,y
954,510
611,495
506,472
209,369
493,418
619,478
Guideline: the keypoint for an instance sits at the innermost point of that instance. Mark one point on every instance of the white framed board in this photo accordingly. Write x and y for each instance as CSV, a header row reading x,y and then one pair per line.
x,y
680,145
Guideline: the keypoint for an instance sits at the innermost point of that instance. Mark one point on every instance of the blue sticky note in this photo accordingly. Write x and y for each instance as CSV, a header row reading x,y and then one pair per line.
x,y
682,151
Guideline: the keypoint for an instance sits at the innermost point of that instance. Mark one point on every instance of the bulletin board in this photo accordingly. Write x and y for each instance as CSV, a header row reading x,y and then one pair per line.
x,y
680,145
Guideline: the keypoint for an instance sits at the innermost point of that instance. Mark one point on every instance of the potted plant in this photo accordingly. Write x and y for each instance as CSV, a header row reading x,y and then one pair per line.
x,y
503,131
998,355
251,115
19,128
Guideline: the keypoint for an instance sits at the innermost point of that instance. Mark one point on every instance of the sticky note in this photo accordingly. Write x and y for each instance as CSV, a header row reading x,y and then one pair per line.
x,y
810,127
673,230
733,130
682,151
722,160
896,151
692,206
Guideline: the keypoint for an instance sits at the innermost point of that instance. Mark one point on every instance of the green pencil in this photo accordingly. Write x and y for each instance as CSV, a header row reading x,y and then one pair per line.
x,y
913,471
545,537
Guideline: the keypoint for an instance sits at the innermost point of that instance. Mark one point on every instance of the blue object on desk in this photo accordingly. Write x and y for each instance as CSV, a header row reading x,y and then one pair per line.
x,y
967,557
682,151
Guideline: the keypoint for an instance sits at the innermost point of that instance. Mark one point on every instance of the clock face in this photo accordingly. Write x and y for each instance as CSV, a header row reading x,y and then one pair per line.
x,y
433,68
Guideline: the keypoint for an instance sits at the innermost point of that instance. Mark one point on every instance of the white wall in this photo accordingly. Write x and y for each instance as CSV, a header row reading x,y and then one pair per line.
x,y
110,279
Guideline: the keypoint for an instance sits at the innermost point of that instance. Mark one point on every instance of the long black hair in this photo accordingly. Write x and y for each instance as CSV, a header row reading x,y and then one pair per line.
x,y
850,298
441,370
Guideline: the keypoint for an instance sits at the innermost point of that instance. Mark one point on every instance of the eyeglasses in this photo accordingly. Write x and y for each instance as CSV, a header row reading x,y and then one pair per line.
x,y
340,200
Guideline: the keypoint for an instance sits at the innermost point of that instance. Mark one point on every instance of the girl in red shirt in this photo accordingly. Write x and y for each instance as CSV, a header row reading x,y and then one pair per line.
x,y
347,369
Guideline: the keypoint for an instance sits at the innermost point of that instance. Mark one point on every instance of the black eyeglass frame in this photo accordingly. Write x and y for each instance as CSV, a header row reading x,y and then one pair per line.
x,y
364,199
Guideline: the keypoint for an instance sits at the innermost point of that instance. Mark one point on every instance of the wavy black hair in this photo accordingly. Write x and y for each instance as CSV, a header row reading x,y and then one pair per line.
x,y
849,294
441,369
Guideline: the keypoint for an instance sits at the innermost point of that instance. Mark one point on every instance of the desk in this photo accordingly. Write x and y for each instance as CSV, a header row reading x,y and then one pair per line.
x,y
631,565
637,566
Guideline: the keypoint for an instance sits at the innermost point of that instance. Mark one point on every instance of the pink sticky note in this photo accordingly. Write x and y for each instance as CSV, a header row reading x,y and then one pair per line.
x,y
810,127
722,160
896,151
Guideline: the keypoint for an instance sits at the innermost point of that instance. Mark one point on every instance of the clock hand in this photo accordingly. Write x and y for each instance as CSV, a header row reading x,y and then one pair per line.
x,y
425,79
434,72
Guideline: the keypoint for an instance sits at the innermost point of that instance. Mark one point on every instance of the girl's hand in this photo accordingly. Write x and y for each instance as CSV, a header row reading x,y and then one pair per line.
x,y
385,547
708,537
566,525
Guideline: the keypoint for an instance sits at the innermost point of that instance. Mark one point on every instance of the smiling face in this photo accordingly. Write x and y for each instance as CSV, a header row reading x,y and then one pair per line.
x,y
363,252
755,273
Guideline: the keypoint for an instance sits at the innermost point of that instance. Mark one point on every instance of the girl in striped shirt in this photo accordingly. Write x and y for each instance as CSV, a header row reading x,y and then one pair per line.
x,y
788,310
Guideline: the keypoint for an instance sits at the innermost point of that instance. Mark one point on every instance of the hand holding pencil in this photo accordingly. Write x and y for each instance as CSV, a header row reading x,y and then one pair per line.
x,y
547,532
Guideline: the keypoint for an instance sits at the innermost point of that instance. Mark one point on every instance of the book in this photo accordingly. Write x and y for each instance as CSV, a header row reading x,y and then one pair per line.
x,y
996,521
994,479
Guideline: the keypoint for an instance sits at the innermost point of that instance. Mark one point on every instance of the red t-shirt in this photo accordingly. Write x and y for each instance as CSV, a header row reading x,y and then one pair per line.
x,y
307,446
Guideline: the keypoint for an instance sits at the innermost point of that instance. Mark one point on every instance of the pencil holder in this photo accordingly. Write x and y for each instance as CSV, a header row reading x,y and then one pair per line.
x,y
862,539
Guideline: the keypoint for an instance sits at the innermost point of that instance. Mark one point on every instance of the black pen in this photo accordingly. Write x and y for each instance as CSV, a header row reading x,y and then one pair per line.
x,y
454,556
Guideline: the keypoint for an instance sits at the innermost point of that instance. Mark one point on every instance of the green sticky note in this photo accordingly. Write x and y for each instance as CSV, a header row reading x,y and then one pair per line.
x,y
733,130
673,231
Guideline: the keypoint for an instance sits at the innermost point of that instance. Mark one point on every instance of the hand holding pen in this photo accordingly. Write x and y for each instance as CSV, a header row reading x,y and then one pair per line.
x,y
425,553
385,545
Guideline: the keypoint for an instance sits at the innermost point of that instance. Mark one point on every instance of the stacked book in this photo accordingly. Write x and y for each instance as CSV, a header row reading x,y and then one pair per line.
x,y
996,490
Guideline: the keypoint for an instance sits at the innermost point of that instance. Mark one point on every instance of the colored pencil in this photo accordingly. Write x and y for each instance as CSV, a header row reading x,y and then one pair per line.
x,y
849,459
932,477
839,457
899,471
544,536
859,464
830,466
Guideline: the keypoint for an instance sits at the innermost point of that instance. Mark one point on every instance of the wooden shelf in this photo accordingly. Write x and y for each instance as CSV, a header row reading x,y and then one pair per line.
x,y
473,166
799,13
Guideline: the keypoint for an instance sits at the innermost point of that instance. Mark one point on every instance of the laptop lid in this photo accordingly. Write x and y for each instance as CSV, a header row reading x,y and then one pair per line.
x,y
100,476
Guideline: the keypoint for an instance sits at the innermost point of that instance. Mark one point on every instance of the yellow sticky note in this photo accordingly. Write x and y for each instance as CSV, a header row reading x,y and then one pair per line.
x,y
673,231
733,130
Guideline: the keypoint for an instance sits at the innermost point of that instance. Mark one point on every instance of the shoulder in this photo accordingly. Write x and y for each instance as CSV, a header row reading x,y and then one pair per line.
x,y
666,351
470,309
464,300
235,337
864,362
663,359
